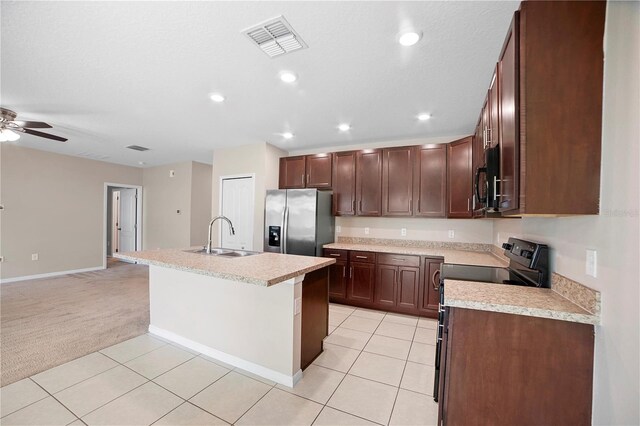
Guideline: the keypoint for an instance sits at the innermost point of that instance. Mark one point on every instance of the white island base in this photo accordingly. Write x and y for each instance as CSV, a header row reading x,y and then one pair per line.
x,y
252,327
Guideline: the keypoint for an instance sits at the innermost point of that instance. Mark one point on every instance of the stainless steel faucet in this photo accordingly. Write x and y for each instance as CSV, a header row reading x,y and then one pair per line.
x,y
231,230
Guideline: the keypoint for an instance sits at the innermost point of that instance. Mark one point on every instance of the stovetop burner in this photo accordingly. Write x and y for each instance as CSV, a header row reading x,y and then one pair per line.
x,y
485,274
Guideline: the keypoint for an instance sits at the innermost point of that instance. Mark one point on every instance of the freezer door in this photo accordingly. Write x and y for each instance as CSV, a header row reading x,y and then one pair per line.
x,y
300,216
274,217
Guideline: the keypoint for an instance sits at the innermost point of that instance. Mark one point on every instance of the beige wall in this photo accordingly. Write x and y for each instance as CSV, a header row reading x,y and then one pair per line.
x,y
614,234
54,206
188,191
260,159
465,230
163,226
200,203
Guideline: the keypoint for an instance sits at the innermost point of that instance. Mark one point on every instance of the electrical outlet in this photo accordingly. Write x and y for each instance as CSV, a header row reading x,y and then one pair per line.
x,y
1,258
34,256
403,232
366,231
452,233
338,229
591,267
172,173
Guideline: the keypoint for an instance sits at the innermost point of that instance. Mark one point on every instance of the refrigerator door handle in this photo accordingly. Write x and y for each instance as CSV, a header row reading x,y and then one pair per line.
x,y
285,230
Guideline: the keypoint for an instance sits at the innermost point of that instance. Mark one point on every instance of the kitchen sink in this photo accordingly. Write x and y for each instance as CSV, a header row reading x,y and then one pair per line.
x,y
217,251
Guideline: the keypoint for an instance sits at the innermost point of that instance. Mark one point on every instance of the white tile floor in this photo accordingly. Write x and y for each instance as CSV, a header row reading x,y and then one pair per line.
x,y
376,368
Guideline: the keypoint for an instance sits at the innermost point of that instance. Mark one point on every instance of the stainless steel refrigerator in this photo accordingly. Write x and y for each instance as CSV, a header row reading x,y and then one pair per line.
x,y
298,221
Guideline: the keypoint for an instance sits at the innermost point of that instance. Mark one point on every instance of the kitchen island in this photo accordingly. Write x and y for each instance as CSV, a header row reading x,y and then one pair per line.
x,y
265,313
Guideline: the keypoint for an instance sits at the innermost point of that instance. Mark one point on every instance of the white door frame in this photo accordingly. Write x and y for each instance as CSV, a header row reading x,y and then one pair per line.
x,y
252,176
104,218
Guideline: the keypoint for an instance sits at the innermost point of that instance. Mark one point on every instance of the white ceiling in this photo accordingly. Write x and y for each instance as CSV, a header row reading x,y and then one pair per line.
x,y
111,74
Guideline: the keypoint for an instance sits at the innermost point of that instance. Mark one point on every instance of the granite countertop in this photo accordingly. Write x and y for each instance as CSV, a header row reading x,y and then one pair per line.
x,y
264,269
535,302
464,257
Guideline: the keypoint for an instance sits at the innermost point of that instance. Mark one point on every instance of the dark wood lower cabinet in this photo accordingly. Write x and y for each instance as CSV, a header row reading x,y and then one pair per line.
x,y
430,289
389,282
506,369
315,315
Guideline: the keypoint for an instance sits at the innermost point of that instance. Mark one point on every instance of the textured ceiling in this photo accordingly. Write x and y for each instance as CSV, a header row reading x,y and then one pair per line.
x,y
111,74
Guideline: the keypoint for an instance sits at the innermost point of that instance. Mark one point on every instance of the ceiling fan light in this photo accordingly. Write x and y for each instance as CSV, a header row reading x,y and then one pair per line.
x,y
8,136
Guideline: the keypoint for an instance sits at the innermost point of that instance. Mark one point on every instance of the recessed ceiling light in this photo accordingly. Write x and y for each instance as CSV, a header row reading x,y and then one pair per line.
x,y
217,97
287,135
344,127
142,163
409,38
288,76
424,116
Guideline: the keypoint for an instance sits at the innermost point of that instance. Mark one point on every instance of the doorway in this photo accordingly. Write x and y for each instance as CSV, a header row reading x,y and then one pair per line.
x,y
237,202
123,220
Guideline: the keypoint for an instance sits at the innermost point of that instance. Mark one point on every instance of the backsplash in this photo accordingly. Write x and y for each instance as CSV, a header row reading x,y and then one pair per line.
x,y
415,243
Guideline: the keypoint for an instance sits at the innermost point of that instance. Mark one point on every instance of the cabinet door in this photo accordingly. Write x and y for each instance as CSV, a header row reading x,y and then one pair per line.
x,y
361,282
344,183
397,181
493,130
408,286
319,171
509,140
292,172
431,294
338,281
459,178
430,181
385,290
369,182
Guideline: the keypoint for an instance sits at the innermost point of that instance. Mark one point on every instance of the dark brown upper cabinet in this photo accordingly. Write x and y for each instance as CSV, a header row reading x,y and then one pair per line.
x,y
292,172
310,171
344,183
430,181
397,181
319,168
459,178
508,128
369,182
547,94
479,178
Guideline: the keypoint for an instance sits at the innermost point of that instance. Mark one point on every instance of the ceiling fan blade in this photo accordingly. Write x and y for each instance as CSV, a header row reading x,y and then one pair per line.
x,y
32,124
44,135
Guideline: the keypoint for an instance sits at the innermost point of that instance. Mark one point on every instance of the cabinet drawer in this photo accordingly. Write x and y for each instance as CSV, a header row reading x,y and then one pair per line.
x,y
398,260
362,256
336,254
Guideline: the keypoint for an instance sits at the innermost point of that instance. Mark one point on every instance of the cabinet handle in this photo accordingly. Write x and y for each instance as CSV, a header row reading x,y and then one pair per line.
x,y
307,178
354,206
302,179
344,272
334,254
399,259
433,280
350,271
468,203
361,257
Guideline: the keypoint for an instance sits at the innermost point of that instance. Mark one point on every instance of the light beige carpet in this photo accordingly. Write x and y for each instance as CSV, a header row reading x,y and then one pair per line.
x,y
47,322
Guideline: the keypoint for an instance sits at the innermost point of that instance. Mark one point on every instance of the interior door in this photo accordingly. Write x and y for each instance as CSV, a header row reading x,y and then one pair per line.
x,y
127,225
237,205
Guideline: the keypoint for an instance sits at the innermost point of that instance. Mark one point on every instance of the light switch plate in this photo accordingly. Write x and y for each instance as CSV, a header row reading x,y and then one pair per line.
x,y
452,233
338,229
34,256
403,232
172,173
591,267
366,231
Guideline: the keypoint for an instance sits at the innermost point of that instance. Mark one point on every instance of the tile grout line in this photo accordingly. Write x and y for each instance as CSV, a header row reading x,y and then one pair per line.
x,y
58,401
31,403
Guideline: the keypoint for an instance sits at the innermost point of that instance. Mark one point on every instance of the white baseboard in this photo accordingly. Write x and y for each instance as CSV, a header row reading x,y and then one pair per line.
x,y
49,274
249,366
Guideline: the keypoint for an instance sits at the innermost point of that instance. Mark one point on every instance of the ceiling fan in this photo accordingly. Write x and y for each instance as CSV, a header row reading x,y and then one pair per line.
x,y
9,126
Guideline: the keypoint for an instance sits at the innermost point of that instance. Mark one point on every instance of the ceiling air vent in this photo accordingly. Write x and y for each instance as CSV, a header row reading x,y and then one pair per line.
x,y
275,37
137,148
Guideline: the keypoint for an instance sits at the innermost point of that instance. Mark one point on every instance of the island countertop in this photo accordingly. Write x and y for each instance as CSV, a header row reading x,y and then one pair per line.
x,y
264,269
